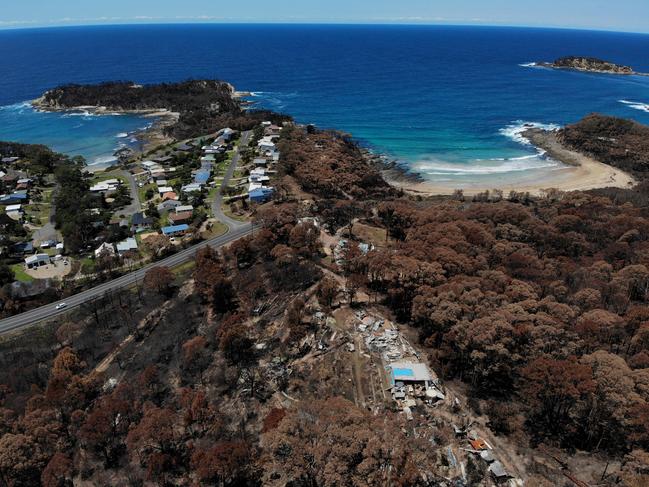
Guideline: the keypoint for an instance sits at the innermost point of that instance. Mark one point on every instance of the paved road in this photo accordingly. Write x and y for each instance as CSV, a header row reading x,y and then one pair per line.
x,y
34,316
136,204
236,230
218,199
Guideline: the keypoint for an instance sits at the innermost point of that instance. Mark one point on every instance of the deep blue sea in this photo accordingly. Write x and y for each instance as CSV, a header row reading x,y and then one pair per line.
x,y
447,101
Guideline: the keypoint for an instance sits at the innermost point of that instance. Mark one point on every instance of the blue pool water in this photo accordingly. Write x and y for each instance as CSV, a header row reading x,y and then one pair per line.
x,y
448,101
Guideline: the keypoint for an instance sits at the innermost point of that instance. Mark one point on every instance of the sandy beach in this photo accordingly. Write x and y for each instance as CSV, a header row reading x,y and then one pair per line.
x,y
580,173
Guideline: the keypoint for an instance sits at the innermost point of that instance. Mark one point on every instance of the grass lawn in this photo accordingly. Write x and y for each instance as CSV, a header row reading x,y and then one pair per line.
x,y
40,212
87,265
103,176
20,274
226,210
218,228
142,192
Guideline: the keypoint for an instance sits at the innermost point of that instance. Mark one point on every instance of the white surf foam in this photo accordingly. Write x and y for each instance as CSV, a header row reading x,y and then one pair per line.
x,y
529,65
636,105
515,130
484,168
103,160
122,135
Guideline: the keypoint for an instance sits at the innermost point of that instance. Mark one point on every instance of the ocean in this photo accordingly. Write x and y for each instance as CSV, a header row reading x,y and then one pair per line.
x,y
448,102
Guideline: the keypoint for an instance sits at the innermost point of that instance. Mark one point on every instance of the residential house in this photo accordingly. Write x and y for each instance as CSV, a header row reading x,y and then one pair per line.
x,y
9,179
9,160
227,133
168,205
266,144
260,162
141,222
182,208
201,177
192,188
254,186
14,198
164,160
184,147
22,248
38,260
261,195
272,130
106,186
181,217
48,244
126,245
170,195
165,189
15,212
258,175
174,230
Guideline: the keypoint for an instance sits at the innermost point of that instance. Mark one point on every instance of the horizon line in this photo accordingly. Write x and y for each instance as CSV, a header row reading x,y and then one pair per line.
x,y
114,22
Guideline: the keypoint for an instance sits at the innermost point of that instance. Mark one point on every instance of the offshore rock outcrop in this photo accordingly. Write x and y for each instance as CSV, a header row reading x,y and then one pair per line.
x,y
590,65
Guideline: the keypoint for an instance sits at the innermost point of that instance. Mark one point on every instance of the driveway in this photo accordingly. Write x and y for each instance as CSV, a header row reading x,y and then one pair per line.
x,y
135,205
218,199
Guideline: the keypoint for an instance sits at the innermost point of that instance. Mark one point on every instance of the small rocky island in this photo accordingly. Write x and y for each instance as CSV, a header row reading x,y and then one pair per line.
x,y
589,64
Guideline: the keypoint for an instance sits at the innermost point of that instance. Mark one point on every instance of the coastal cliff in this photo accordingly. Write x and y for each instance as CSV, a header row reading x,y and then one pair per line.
x,y
589,64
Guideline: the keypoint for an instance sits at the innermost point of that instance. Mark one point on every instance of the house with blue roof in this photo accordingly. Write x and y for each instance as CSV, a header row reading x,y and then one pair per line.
x,y
201,177
14,198
173,230
261,195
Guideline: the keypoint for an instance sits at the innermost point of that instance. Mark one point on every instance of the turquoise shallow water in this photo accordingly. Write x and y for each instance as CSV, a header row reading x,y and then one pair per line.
x,y
446,101
95,137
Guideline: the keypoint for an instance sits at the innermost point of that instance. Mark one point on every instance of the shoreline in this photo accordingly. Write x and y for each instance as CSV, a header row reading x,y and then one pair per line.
x,y
148,138
579,174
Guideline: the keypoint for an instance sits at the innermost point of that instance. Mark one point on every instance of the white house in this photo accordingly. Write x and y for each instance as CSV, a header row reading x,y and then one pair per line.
x,y
258,175
191,188
126,245
38,260
254,186
266,144
183,208
107,185
165,189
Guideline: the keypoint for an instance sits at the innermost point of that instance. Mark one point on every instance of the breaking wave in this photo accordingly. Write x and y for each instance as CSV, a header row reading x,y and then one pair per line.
x,y
515,130
636,105
103,160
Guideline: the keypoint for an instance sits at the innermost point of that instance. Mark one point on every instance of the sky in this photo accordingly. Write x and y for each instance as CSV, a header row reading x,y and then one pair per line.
x,y
621,15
